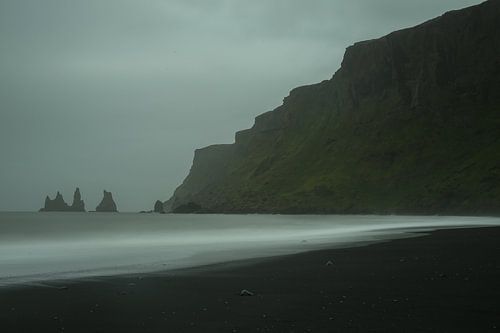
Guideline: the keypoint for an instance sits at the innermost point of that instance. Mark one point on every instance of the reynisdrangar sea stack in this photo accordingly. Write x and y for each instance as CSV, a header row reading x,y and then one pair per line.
x,y
107,204
59,205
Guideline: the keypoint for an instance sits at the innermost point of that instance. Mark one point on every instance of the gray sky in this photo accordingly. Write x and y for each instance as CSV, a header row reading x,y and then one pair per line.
x,y
117,94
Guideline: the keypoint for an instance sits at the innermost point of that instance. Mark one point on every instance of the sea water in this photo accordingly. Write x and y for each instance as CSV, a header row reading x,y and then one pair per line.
x,y
36,247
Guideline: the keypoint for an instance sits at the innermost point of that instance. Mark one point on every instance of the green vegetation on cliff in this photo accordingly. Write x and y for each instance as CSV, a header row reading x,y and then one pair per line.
x,y
410,123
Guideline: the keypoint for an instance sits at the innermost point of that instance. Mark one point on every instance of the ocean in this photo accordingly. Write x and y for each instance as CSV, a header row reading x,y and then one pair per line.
x,y
40,247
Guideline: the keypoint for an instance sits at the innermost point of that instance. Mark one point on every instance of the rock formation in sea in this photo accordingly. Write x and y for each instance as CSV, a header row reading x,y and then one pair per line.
x,y
59,205
408,124
107,203
78,205
158,208
55,205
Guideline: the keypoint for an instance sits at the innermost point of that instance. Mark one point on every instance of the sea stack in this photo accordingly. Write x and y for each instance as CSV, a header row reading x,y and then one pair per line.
x,y
56,205
59,205
107,203
159,207
78,204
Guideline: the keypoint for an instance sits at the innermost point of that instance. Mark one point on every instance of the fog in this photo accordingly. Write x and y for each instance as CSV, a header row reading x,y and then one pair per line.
x,y
44,247
117,94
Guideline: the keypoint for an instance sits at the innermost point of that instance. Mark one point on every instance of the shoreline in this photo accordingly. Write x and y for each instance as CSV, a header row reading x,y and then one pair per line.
x,y
272,213
446,280
64,282
63,279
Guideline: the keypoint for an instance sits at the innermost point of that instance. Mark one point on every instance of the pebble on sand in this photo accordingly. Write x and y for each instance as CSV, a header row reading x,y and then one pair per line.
x,y
245,292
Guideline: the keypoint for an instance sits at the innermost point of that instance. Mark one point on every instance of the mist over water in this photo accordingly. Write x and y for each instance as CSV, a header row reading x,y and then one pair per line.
x,y
40,247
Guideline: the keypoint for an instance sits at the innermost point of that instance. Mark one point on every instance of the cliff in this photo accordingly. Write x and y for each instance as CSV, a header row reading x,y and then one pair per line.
x,y
158,207
408,124
107,203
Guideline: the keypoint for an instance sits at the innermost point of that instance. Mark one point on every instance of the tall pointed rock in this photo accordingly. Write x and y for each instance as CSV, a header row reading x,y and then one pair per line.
x,y
107,203
78,204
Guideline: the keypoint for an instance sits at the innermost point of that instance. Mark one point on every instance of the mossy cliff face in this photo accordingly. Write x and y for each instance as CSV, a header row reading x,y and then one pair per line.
x,y
410,123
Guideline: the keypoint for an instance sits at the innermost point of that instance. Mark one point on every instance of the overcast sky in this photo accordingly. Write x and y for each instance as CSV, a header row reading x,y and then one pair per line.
x,y
117,94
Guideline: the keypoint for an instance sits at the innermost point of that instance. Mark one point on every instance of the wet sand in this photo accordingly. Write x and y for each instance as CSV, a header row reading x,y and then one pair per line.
x,y
448,281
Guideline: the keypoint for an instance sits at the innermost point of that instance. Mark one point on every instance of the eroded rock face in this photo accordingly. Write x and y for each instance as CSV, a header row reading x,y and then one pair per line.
x,y
159,207
408,124
189,208
107,203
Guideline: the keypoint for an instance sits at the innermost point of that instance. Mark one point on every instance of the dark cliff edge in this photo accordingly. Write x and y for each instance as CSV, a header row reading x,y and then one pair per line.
x,y
408,124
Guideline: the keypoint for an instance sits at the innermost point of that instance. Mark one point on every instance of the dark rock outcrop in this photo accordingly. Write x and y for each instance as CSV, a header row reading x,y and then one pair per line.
x,y
189,208
159,207
59,205
107,203
55,205
78,205
408,124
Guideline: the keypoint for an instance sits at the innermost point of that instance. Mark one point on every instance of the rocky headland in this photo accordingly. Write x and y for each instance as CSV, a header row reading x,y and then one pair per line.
x,y
158,208
409,124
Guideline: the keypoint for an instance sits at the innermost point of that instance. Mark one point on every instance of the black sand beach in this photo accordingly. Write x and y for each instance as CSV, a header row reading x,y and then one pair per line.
x,y
448,281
